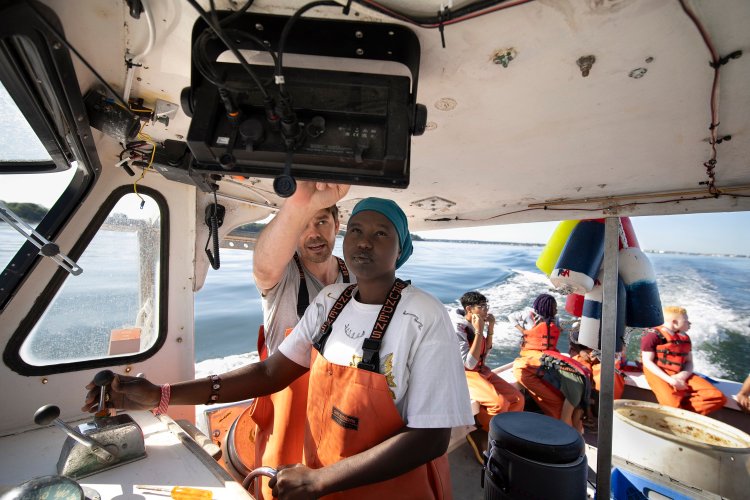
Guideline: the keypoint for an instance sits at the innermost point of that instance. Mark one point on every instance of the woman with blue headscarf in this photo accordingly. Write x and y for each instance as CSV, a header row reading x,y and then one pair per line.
x,y
386,380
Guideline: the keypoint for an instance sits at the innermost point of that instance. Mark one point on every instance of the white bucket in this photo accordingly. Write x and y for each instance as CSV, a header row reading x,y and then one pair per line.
x,y
694,449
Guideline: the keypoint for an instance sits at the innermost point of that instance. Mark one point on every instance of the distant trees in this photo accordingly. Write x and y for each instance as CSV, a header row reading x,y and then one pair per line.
x,y
29,212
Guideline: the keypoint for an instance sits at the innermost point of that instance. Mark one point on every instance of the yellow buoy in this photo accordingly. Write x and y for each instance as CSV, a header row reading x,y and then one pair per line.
x,y
551,252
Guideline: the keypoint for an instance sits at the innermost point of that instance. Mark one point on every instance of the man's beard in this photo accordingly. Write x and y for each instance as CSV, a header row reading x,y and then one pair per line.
x,y
317,257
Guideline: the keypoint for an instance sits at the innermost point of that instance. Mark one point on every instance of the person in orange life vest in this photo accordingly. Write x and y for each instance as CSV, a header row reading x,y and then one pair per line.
x,y
493,394
668,366
386,381
591,359
541,333
292,262
743,396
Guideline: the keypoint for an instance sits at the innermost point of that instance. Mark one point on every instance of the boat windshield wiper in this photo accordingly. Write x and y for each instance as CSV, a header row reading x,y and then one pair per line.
x,y
46,247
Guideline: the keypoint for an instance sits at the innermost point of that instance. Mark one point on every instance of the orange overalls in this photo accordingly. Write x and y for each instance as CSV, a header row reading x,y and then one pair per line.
x,y
493,394
526,367
596,370
350,410
701,396
280,431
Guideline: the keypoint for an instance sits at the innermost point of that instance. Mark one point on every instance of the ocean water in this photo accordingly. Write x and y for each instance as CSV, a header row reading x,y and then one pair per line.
x,y
713,289
228,309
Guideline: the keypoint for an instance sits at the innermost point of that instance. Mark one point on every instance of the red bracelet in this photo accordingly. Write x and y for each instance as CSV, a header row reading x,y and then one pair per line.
x,y
166,393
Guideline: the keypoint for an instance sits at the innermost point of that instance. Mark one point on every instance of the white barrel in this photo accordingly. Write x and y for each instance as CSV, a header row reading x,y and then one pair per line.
x,y
643,305
691,448
591,316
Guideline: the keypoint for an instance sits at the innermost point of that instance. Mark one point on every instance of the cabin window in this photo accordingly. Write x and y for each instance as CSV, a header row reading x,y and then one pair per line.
x,y
113,308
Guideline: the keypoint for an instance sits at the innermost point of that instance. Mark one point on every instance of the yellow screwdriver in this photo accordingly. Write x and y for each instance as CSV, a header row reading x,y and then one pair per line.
x,y
181,492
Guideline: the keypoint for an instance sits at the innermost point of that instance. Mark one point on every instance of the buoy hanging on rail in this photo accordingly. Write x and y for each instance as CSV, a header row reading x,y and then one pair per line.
x,y
643,302
580,259
590,331
574,304
551,252
636,271
591,316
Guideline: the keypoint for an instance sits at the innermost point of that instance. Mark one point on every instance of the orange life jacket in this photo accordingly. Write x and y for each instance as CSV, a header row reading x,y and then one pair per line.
x,y
671,355
540,338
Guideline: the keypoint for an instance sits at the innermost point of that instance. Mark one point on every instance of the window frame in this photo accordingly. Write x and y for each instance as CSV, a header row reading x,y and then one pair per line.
x,y
30,51
11,354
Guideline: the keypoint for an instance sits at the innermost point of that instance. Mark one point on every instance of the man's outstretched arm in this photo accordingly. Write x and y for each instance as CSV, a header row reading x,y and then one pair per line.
x,y
278,241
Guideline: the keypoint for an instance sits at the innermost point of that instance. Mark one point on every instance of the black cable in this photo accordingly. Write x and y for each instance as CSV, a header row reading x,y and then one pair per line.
x,y
213,232
288,27
471,11
237,13
240,58
70,47
206,67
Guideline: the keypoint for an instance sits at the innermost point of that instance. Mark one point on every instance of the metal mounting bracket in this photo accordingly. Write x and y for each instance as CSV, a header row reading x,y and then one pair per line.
x,y
46,247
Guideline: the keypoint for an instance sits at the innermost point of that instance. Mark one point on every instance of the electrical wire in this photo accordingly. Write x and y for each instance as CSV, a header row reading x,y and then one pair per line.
x,y
716,63
70,47
446,17
135,60
285,34
608,208
240,58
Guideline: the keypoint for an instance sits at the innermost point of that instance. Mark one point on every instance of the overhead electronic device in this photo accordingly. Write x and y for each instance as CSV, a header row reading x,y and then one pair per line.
x,y
326,125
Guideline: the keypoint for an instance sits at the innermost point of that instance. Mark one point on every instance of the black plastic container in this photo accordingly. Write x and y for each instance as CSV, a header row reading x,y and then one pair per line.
x,y
533,456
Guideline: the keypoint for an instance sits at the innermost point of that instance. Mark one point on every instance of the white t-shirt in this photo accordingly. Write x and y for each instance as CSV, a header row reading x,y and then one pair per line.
x,y
280,302
419,356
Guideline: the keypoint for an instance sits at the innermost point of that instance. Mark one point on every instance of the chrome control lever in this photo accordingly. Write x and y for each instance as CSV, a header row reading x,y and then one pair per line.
x,y
49,414
260,471
103,379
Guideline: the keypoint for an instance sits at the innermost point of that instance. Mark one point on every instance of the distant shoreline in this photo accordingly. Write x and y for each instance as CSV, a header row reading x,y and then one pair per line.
x,y
540,245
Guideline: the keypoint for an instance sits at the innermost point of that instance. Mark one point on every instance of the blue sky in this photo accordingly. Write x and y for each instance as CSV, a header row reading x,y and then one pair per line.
x,y
724,233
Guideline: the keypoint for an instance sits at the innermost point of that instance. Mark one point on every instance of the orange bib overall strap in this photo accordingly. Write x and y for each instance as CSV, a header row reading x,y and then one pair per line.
x,y
280,433
350,410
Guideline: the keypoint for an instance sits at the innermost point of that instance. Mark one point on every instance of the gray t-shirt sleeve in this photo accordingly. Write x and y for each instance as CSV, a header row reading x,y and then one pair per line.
x,y
280,307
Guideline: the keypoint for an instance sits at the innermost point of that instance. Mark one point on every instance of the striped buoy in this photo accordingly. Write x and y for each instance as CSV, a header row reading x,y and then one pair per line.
x,y
591,317
574,304
551,252
590,331
580,259
643,302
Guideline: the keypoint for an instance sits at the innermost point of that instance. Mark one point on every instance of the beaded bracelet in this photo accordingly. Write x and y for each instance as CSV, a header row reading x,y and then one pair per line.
x,y
215,388
166,394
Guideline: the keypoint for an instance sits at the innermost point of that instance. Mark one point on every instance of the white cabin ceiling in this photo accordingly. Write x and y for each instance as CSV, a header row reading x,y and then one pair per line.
x,y
525,134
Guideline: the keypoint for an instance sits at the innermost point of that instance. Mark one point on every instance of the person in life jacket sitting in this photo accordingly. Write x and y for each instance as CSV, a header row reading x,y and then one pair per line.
x,y
386,380
493,394
668,366
591,359
558,385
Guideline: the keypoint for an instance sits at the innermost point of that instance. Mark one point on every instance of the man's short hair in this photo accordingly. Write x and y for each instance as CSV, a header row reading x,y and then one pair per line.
x,y
675,311
472,299
334,212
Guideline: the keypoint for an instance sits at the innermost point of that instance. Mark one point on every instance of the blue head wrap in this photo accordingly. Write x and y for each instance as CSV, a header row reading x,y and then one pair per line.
x,y
393,213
